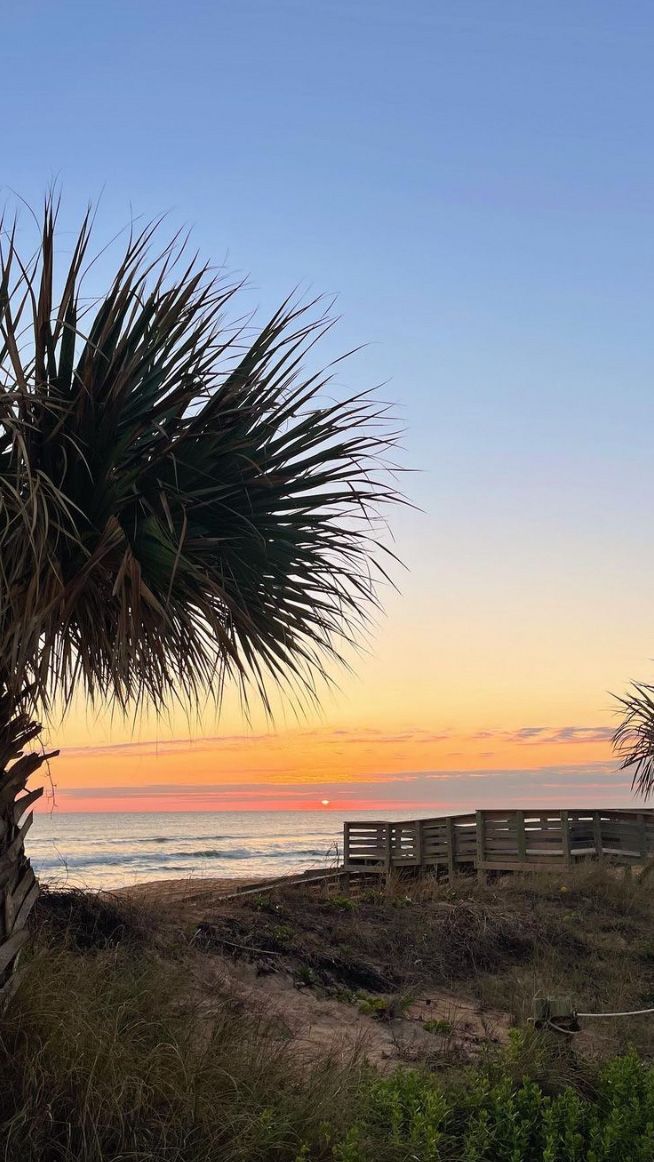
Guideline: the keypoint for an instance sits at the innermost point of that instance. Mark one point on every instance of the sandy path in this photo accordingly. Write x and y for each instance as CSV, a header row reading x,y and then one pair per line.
x,y
190,897
319,1024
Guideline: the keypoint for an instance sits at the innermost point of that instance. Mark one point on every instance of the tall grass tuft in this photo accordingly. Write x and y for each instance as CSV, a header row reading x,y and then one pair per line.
x,y
108,1055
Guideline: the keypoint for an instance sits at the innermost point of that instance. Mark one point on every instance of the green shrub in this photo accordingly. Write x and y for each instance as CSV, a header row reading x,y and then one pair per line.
x,y
442,1028
340,904
383,1008
282,933
489,1117
404,1116
305,976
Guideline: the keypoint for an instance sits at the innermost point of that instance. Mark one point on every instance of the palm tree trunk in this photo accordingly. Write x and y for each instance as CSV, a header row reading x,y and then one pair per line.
x,y
18,885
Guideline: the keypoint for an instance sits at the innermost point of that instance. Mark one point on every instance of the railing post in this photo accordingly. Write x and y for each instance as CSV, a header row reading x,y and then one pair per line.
x,y
388,854
565,838
346,844
597,835
642,835
481,849
450,832
521,836
418,841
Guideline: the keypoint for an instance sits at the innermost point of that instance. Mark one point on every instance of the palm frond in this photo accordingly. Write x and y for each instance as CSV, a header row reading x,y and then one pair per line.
x,y
180,503
633,740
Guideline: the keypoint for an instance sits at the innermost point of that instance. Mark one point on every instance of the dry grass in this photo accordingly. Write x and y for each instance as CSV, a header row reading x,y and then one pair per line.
x,y
105,1055
588,934
110,1052
599,950
92,921
382,941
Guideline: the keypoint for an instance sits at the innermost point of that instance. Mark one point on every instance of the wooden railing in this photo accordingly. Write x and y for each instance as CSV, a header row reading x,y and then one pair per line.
x,y
501,840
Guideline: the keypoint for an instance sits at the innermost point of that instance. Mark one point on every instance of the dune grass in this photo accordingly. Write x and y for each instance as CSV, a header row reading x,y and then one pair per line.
x,y
100,1060
113,1050
588,934
107,1054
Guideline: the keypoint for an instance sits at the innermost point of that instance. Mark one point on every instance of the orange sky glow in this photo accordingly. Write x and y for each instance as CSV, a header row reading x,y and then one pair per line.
x,y
455,705
296,769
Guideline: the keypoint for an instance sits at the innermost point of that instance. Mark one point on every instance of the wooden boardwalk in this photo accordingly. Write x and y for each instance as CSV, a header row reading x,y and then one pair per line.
x,y
501,840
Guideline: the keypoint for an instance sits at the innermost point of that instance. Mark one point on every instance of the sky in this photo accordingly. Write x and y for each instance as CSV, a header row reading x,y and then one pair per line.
x,y
475,182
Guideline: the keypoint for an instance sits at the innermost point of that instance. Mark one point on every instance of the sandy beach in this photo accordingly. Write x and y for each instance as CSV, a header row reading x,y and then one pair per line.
x,y
193,898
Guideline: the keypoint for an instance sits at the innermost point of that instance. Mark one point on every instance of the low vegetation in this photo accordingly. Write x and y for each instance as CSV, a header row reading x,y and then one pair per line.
x,y
114,1049
589,935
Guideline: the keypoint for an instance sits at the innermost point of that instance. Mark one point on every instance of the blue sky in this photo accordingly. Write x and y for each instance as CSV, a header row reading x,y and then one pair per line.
x,y
475,182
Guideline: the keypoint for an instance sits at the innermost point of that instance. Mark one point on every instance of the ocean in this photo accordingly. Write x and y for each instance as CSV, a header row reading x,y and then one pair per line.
x,y
107,850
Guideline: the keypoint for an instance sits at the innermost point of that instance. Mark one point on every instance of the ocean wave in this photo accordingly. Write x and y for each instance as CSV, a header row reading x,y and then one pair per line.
x,y
108,850
177,839
40,843
171,860
132,840
250,853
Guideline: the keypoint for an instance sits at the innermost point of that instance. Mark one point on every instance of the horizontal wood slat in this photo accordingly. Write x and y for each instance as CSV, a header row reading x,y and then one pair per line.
x,y
509,840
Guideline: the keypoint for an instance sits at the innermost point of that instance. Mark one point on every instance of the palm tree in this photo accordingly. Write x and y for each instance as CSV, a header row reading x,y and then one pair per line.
x,y
180,504
633,741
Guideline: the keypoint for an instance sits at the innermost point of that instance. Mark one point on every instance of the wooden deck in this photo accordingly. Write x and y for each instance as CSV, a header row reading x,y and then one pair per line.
x,y
501,840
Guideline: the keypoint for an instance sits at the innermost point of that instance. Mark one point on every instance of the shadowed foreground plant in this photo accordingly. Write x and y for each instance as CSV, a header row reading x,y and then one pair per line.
x,y
180,504
106,1055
